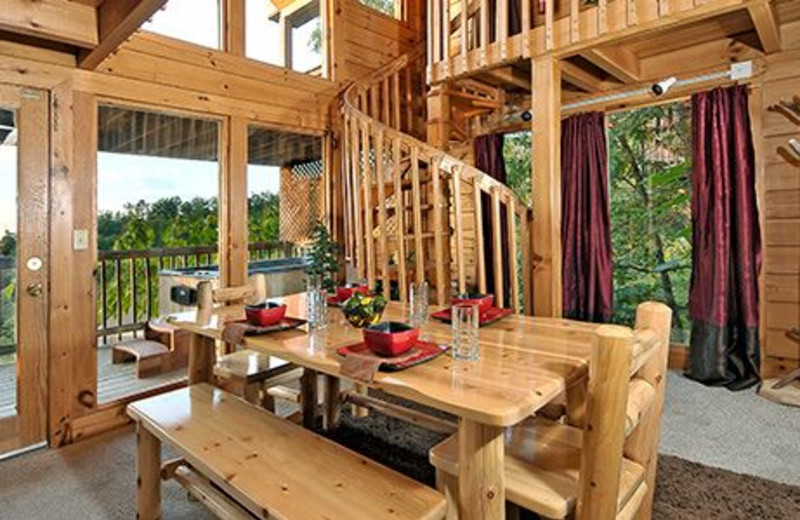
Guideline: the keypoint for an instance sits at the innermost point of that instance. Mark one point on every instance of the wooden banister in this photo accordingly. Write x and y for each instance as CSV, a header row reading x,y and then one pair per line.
x,y
409,205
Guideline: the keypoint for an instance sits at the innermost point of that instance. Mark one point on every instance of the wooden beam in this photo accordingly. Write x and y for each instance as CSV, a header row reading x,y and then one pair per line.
x,y
512,76
117,20
766,25
581,78
619,62
56,20
546,182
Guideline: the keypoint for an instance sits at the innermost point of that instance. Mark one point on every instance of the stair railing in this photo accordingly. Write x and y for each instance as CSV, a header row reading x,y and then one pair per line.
x,y
415,213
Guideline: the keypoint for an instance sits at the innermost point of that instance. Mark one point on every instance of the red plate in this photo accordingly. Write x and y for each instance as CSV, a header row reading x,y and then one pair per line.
x,y
285,324
334,301
427,351
487,318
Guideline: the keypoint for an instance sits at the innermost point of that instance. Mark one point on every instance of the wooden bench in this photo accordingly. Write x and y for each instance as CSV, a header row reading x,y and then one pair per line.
x,y
245,462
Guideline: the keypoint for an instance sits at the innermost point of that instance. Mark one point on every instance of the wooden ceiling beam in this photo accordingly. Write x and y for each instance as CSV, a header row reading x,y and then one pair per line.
x,y
117,21
766,25
618,62
512,76
582,79
55,20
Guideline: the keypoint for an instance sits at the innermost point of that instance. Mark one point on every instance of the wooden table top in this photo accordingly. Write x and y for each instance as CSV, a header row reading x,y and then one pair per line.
x,y
525,361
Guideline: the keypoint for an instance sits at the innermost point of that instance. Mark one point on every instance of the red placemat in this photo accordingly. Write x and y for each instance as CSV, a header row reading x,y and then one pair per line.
x,y
421,352
487,318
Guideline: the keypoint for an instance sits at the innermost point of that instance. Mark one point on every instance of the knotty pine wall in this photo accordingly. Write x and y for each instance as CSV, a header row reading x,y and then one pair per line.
x,y
152,71
780,210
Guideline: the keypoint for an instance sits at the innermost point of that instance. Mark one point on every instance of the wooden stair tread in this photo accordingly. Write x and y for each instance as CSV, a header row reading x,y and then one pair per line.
x,y
542,466
275,468
141,348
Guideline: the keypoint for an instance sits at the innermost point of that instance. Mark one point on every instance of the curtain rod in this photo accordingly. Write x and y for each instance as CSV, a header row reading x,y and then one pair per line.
x,y
619,96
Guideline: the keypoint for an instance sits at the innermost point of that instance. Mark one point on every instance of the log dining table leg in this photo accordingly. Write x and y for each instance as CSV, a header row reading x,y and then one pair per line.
x,y
481,479
202,356
333,403
309,397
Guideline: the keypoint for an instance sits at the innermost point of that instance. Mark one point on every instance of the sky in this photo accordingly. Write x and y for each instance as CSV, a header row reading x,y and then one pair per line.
x,y
129,178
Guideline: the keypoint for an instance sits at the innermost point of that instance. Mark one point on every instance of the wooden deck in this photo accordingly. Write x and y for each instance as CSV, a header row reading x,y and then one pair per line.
x,y
113,381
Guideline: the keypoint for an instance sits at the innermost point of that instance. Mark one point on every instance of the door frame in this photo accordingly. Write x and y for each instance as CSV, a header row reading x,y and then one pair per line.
x,y
28,428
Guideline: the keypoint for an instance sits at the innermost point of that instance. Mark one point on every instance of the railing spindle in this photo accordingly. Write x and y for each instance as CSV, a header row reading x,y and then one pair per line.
x,y
511,211
497,250
575,20
104,296
369,208
419,253
118,274
358,161
380,175
438,225
400,210
479,253
485,30
396,101
149,286
459,225
464,29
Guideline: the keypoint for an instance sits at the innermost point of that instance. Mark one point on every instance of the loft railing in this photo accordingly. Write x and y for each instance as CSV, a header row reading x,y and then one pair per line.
x,y
127,281
466,36
416,213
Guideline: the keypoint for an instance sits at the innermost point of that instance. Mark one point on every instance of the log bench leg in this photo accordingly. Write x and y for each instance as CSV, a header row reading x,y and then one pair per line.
x,y
481,478
308,398
148,475
333,403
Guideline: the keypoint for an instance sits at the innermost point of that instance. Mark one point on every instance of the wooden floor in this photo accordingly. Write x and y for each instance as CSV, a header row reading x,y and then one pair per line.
x,y
113,381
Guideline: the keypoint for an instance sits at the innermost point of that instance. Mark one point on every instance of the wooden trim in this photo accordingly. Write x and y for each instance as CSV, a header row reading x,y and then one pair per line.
x,y
58,20
766,25
117,20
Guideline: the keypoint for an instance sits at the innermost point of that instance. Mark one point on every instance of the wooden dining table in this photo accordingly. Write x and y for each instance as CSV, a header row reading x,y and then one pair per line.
x,y
525,362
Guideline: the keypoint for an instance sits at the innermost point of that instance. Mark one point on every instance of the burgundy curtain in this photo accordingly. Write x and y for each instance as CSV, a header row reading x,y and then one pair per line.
x,y
489,159
585,219
726,242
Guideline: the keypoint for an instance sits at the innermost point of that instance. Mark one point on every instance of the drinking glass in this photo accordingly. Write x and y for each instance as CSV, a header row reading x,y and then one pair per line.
x,y
418,304
316,305
465,318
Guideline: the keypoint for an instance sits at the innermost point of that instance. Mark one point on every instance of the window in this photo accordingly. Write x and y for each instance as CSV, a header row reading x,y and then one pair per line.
x,y
284,185
194,21
291,37
9,159
391,8
157,189
651,231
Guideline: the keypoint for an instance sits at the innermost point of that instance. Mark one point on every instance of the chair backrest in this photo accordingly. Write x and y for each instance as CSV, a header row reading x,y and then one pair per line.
x,y
229,302
623,409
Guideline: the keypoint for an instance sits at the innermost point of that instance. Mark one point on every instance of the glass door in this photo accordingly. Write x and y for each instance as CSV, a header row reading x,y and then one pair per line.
x,y
23,267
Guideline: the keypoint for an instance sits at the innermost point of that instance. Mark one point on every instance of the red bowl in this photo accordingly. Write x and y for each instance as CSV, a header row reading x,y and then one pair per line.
x,y
265,314
483,301
390,338
344,293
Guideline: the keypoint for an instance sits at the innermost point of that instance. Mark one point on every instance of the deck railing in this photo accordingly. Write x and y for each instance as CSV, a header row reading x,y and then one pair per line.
x,y
127,281
8,268
466,36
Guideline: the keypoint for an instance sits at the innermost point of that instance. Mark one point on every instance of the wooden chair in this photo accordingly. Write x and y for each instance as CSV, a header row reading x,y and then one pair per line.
x,y
604,468
246,373
163,349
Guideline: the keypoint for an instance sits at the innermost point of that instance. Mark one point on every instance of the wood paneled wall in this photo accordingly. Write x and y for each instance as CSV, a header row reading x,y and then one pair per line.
x,y
780,209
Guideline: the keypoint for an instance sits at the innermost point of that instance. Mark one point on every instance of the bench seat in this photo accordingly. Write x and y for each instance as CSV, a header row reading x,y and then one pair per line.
x,y
270,466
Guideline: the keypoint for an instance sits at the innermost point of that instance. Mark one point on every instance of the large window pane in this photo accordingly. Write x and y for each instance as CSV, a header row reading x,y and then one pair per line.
x,y
157,188
289,36
194,21
650,190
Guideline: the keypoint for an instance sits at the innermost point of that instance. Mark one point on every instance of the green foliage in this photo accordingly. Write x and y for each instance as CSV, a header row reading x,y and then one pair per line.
x,y
650,189
324,256
517,154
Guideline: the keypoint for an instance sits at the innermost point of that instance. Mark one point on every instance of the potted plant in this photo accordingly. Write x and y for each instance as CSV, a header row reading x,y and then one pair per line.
x,y
324,257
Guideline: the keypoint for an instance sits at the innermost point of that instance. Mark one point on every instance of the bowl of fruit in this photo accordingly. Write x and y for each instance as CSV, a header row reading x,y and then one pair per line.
x,y
362,310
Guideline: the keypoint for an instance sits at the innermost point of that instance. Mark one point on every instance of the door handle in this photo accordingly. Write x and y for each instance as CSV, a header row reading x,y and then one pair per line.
x,y
34,289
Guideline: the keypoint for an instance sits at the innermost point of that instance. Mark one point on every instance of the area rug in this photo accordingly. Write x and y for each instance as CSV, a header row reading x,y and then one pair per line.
x,y
684,490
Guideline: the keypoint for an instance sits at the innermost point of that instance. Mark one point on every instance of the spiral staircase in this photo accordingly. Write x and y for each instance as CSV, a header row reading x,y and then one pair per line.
x,y
414,213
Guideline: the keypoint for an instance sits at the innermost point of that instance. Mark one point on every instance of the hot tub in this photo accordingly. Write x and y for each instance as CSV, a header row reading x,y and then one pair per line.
x,y
177,287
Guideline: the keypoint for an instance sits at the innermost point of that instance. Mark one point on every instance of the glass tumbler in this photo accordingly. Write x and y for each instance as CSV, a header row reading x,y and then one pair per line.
x,y
316,305
418,304
465,322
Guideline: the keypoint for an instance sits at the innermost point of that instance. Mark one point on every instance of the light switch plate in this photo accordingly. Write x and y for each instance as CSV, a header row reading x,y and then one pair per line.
x,y
741,70
80,239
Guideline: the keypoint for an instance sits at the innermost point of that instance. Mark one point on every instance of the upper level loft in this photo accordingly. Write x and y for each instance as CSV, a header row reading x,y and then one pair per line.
x,y
482,38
